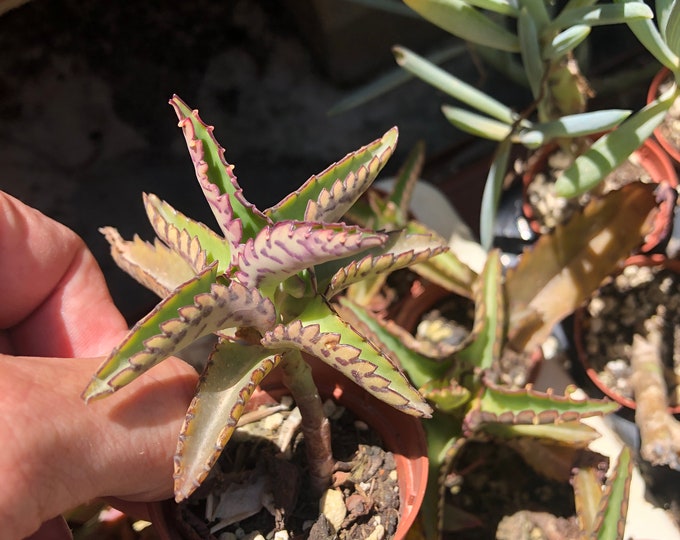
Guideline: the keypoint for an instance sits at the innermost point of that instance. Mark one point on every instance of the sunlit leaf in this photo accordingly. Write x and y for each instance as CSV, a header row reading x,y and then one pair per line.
x,y
476,124
566,41
328,195
321,333
453,86
235,215
609,151
492,193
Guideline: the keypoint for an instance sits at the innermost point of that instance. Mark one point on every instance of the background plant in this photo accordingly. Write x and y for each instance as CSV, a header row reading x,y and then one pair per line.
x,y
514,314
263,286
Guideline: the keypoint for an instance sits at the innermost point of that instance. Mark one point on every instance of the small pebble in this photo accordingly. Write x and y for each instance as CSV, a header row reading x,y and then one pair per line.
x,y
332,505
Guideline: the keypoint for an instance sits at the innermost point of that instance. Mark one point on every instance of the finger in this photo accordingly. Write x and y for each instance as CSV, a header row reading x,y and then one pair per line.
x,y
121,446
55,300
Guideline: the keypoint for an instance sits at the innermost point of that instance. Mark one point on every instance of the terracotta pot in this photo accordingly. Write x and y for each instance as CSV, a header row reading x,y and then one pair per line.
x,y
580,316
402,434
654,160
671,149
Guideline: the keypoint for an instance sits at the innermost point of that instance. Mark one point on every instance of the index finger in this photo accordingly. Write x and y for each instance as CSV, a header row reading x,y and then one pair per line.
x,y
53,297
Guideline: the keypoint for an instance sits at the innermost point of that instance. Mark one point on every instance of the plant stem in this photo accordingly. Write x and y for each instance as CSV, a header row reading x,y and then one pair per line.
x,y
659,431
315,426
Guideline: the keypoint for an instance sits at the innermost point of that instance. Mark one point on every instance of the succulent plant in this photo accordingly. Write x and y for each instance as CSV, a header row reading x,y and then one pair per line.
x,y
264,286
514,314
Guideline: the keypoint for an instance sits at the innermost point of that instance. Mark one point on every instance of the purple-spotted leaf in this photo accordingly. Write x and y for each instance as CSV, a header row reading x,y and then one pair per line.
x,y
158,268
195,309
574,434
529,406
328,195
320,332
400,250
232,373
196,243
238,219
286,248
565,267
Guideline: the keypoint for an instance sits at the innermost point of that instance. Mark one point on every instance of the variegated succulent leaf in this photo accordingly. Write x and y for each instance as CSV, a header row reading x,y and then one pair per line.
x,y
486,347
400,251
388,336
233,371
288,247
528,406
195,242
328,195
195,309
155,266
610,521
446,269
320,332
238,219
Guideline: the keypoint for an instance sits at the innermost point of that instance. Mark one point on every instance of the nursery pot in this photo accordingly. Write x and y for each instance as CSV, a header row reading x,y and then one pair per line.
x,y
402,434
580,322
660,133
652,159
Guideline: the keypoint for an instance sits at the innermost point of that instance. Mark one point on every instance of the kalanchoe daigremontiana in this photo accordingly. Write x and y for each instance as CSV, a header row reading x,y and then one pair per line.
x,y
264,287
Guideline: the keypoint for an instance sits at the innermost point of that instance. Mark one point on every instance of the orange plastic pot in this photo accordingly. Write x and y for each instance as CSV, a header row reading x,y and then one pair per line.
x,y
403,435
671,149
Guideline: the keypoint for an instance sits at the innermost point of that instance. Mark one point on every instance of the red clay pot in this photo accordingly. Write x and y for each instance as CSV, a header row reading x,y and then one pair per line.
x,y
655,161
402,434
579,338
671,149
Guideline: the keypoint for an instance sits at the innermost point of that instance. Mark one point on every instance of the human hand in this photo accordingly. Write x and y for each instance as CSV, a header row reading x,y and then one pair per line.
x,y
56,317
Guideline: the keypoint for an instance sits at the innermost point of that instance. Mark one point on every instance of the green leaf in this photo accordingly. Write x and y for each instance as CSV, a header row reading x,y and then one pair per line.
x,y
406,180
492,193
609,151
195,242
238,219
155,266
601,14
486,348
453,86
464,21
662,10
329,194
195,309
575,434
229,379
571,263
565,42
648,34
528,406
572,126
476,124
320,332
531,51
673,29
611,519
